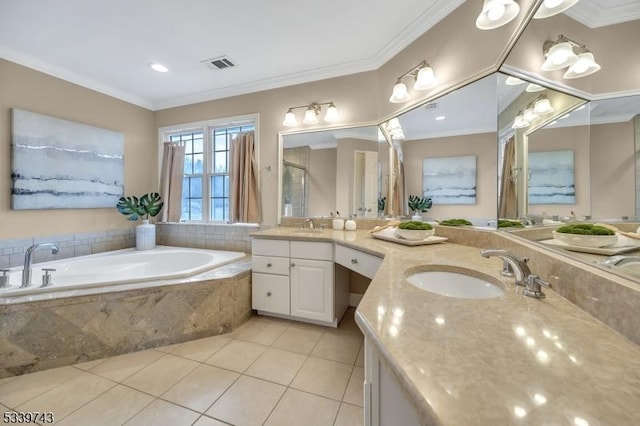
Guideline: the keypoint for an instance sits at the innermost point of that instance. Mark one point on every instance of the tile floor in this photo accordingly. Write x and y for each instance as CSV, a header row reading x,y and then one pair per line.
x,y
267,372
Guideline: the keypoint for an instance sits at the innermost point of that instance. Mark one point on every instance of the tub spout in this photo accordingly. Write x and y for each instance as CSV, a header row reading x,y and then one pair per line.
x,y
26,272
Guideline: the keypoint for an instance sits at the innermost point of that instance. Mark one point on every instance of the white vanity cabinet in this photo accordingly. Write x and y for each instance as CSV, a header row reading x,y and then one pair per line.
x,y
363,263
297,279
385,400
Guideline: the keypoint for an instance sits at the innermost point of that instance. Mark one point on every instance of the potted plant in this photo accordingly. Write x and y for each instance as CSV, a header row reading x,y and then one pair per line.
x,y
146,206
419,205
382,204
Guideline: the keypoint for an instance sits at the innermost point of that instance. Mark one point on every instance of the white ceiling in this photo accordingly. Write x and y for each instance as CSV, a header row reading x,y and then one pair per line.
x,y
108,45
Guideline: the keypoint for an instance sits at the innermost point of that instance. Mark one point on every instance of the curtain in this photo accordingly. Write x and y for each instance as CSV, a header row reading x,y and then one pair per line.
x,y
399,194
171,177
244,196
508,200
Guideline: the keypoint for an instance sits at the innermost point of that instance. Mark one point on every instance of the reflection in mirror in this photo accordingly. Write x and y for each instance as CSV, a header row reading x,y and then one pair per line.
x,y
446,150
330,171
544,171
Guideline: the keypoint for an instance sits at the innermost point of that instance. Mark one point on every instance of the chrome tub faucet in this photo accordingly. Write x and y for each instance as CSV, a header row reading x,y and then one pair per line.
x,y
533,284
26,272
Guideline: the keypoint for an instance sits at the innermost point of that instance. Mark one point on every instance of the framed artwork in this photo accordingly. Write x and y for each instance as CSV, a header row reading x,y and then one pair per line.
x,y
450,180
551,177
61,164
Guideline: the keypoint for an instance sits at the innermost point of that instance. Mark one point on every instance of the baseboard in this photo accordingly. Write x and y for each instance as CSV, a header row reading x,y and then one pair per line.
x,y
354,299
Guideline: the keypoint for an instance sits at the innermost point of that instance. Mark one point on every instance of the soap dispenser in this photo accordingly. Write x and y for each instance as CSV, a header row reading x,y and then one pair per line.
x,y
350,225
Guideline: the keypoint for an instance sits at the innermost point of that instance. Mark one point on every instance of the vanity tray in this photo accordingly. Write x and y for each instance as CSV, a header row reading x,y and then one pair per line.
x,y
623,245
387,235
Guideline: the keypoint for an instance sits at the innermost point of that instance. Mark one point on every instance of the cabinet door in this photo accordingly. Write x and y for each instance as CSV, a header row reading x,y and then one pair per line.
x,y
270,293
312,289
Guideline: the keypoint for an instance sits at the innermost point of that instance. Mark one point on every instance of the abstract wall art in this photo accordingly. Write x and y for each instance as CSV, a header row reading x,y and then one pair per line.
x,y
450,180
60,164
551,178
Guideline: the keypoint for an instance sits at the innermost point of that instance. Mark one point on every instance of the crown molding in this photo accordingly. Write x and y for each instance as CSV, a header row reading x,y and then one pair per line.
x,y
593,15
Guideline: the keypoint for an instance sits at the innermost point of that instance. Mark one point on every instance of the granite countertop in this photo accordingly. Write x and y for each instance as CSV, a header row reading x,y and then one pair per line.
x,y
507,360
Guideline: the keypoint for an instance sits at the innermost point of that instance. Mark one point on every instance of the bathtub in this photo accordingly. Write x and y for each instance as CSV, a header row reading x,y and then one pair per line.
x,y
121,301
111,270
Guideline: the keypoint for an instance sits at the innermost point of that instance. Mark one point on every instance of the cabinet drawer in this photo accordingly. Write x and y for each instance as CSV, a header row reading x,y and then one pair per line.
x,y
270,247
270,293
362,263
270,265
313,250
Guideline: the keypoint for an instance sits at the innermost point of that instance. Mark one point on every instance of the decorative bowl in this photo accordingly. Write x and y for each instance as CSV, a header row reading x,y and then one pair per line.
x,y
413,234
585,240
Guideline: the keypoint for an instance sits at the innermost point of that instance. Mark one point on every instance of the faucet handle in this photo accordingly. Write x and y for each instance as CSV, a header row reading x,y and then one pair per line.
x,y
4,278
533,289
46,278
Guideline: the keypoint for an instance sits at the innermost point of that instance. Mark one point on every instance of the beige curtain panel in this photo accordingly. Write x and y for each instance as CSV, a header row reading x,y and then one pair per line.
x,y
508,199
244,197
171,181
399,195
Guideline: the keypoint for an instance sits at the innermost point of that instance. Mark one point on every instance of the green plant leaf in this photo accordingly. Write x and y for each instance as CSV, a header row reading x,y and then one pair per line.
x,y
129,206
150,204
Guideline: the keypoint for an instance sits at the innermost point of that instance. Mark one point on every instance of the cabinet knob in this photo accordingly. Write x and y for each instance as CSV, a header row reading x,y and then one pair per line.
x,y
268,294
354,261
268,265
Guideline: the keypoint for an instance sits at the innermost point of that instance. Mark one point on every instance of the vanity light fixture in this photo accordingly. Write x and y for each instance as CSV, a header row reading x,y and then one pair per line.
x,y
530,114
564,53
394,129
520,122
532,87
496,13
549,8
513,81
424,79
542,105
311,114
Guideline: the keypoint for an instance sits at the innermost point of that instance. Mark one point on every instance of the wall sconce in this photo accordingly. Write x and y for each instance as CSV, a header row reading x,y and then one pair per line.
x,y
536,108
496,13
565,52
311,114
549,8
424,76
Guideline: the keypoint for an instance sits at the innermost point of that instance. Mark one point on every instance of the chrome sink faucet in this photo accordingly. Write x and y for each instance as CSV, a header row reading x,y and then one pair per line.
x,y
311,224
26,272
533,284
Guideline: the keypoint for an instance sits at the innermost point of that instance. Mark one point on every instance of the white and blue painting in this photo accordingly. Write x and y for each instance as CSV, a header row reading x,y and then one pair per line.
x,y
551,178
60,164
450,180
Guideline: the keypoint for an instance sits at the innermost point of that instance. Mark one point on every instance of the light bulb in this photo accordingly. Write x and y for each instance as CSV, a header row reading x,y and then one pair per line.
x,y
532,87
496,12
585,65
290,119
513,81
400,93
520,123
310,116
543,106
529,114
559,56
552,3
332,113
425,78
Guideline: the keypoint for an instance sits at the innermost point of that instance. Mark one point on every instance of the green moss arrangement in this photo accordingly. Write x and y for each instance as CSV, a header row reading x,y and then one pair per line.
x,y
455,222
505,223
415,225
585,229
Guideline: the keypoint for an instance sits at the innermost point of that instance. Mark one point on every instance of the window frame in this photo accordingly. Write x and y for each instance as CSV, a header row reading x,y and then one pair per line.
x,y
208,128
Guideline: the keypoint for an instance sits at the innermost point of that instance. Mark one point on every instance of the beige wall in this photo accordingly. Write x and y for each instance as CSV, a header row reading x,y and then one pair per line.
x,y
614,47
483,146
354,95
24,88
613,170
566,138
322,182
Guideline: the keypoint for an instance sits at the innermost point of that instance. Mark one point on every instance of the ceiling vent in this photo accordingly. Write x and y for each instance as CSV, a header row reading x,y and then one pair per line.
x,y
431,105
219,63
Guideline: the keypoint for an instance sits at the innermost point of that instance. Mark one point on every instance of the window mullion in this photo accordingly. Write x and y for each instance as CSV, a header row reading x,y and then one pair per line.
x,y
206,173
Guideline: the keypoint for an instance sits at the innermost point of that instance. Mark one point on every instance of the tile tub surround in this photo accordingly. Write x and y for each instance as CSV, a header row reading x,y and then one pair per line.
x,y
491,356
40,335
70,245
230,237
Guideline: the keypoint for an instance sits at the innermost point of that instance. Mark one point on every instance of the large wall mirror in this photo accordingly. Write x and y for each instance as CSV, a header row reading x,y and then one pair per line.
x,y
598,138
326,172
446,150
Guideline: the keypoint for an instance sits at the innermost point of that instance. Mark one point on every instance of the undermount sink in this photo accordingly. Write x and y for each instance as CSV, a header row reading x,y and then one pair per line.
x,y
454,284
307,231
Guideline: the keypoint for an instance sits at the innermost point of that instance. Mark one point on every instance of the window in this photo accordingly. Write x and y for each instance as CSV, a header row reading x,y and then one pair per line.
x,y
205,186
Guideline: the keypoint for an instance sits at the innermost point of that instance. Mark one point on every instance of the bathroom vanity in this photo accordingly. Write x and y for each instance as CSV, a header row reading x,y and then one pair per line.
x,y
432,359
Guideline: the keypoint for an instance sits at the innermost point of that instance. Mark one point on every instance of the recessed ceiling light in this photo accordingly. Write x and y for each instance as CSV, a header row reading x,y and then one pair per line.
x,y
440,117
158,67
